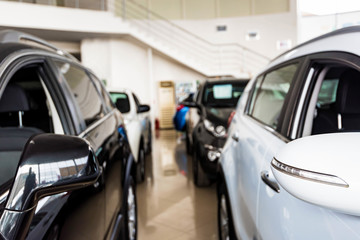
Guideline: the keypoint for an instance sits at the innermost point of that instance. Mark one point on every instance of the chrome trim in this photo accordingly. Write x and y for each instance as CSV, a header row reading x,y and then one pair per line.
x,y
211,147
235,136
271,184
97,123
267,128
301,104
23,53
291,171
4,196
339,120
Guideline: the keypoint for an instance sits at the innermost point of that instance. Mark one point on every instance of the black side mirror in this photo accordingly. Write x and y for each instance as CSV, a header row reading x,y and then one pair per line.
x,y
123,105
72,165
143,108
190,104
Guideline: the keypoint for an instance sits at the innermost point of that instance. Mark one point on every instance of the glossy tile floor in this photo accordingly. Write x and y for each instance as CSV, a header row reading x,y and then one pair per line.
x,y
169,205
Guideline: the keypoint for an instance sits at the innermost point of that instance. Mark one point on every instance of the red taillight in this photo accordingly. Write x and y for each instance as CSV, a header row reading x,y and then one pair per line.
x,y
179,107
232,114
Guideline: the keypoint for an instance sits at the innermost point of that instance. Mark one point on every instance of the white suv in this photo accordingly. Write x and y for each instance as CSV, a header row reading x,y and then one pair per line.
x,y
290,167
138,126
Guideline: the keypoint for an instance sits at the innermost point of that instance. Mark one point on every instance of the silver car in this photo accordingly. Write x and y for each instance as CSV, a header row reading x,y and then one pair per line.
x,y
290,167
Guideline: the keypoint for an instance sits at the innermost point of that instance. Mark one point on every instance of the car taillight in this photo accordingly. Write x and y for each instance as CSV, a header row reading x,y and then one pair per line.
x,y
232,114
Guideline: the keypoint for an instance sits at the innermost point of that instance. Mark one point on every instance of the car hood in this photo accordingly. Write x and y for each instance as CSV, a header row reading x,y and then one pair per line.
x,y
218,115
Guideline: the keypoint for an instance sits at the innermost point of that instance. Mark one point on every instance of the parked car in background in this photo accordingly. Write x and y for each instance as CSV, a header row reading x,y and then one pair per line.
x,y
179,118
207,124
65,163
289,169
138,126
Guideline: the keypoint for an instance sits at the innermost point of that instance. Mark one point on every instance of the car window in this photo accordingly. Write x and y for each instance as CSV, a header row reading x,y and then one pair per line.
x,y
84,92
224,94
269,95
107,100
121,101
338,100
26,108
327,94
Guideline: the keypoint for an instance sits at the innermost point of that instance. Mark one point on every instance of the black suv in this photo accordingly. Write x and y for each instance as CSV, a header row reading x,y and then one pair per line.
x,y
65,163
207,123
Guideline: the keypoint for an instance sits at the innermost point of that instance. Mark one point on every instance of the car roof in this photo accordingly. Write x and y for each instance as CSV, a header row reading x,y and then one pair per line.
x,y
119,90
225,80
342,40
12,41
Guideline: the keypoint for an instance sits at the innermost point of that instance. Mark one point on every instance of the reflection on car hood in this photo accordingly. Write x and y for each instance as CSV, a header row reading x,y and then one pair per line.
x,y
218,115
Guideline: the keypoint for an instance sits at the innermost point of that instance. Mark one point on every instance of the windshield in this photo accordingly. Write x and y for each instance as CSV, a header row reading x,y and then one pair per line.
x,y
222,94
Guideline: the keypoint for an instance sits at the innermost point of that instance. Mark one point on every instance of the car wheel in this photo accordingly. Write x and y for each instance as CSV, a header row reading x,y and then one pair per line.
x,y
200,178
131,213
225,222
140,166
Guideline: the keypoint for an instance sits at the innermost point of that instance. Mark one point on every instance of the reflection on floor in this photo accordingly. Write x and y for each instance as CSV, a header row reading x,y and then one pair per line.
x,y
169,205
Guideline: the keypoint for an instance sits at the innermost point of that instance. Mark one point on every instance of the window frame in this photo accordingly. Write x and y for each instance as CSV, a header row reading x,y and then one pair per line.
x,y
81,124
324,59
45,71
102,90
285,116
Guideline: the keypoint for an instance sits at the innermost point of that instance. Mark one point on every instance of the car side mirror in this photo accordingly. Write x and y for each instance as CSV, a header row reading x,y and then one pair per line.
x,y
190,104
143,108
49,164
322,170
122,105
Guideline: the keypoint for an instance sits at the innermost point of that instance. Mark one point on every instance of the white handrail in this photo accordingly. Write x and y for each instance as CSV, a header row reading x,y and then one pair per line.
x,y
216,59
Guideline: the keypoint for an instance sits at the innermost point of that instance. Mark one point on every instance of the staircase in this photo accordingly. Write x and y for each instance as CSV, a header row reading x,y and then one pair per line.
x,y
185,47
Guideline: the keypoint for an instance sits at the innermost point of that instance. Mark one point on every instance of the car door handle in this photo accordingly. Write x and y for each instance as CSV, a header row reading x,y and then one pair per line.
x,y
272,184
235,136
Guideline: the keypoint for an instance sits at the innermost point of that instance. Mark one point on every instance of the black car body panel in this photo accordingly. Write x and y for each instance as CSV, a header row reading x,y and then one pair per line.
x,y
214,111
89,211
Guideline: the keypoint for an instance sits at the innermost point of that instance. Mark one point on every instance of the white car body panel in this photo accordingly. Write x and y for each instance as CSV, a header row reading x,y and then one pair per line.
x,y
258,212
135,124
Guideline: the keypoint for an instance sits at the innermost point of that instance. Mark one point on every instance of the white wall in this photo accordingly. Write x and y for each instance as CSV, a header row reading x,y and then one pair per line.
x,y
271,28
313,26
125,63
35,16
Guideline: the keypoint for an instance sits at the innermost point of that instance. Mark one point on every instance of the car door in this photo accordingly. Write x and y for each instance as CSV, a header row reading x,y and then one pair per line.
x,y
281,215
99,125
254,131
34,92
30,88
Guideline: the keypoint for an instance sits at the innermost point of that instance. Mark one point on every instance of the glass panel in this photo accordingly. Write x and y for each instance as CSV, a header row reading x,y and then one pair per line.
x,y
327,94
84,92
121,101
269,96
105,96
222,94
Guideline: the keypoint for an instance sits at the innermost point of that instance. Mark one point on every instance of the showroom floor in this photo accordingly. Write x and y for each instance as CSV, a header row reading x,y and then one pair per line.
x,y
169,205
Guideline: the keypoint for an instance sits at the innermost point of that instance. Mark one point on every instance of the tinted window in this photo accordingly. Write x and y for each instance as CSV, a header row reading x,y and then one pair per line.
x,y
222,94
269,95
121,101
108,102
327,94
28,95
84,92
